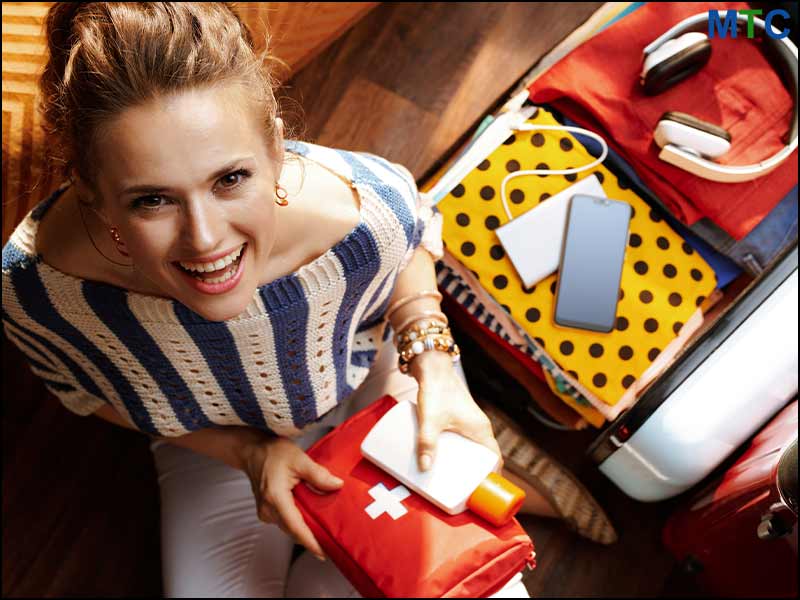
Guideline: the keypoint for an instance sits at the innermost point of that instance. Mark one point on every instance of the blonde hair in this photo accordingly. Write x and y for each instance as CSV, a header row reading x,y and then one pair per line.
x,y
105,57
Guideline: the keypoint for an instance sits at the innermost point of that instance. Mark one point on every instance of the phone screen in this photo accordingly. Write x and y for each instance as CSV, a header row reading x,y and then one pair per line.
x,y
591,263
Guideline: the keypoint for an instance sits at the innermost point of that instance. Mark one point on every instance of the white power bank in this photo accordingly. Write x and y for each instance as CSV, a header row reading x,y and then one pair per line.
x,y
533,240
459,466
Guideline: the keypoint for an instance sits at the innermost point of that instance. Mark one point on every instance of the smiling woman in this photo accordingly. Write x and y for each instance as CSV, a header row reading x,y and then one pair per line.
x,y
202,279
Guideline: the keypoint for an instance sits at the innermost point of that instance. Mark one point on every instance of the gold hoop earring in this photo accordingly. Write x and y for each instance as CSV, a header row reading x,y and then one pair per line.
x,y
280,195
118,241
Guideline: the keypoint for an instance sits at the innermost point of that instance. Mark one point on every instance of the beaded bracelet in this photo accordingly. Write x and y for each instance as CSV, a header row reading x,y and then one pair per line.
x,y
430,342
425,314
419,330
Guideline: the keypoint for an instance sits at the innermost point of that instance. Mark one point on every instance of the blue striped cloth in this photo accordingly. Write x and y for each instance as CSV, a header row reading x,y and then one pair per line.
x,y
302,346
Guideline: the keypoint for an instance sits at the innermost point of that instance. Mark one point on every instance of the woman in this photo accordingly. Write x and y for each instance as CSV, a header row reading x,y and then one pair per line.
x,y
228,292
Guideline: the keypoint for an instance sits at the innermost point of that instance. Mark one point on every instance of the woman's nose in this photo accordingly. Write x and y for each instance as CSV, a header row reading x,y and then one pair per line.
x,y
202,225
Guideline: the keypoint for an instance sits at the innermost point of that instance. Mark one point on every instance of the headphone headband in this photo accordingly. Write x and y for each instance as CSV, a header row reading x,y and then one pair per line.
x,y
782,54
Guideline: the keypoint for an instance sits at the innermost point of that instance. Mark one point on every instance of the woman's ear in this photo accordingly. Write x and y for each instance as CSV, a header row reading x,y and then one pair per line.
x,y
278,151
87,197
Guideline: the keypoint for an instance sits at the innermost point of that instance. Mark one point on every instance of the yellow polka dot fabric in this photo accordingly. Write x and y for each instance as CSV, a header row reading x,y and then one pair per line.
x,y
663,279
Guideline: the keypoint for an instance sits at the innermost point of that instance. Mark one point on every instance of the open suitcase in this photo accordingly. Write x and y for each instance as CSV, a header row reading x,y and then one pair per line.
x,y
730,375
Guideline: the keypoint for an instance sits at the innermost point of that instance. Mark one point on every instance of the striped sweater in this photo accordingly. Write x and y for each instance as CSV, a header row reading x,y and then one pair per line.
x,y
303,345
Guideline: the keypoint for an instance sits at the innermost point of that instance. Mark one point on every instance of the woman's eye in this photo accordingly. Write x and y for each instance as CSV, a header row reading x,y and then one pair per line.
x,y
144,202
238,177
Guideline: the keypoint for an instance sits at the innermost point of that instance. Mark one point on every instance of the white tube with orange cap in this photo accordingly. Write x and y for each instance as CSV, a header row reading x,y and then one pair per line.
x,y
463,474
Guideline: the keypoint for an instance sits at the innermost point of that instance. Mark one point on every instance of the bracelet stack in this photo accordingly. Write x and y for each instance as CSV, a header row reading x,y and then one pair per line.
x,y
422,332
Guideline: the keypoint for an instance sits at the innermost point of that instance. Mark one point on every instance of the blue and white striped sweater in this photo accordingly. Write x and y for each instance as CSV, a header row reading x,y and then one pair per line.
x,y
303,345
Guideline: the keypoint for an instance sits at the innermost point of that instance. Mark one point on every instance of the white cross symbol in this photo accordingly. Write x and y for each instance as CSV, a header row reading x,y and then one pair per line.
x,y
386,501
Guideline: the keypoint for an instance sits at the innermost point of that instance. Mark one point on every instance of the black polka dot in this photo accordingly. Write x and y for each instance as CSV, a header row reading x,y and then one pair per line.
x,y
623,183
651,325
625,352
676,327
497,252
462,219
654,352
537,140
670,271
517,196
544,197
467,248
539,341
640,267
510,140
654,216
566,348
662,243
565,144
533,315
528,290
492,222
506,308
512,166
599,379
621,294
635,240
699,301
500,282
484,165
622,323
596,350
543,167
646,296
697,274
474,274
633,212
627,381
553,288
687,249
599,176
571,176
573,374
675,299
487,192
458,191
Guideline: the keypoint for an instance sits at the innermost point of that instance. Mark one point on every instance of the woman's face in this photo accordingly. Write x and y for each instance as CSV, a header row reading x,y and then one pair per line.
x,y
204,180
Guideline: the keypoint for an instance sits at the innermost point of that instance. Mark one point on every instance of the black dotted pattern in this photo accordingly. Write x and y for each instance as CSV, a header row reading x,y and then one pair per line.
x,y
663,281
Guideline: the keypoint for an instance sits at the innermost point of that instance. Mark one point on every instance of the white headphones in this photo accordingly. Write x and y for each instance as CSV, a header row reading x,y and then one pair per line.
x,y
688,142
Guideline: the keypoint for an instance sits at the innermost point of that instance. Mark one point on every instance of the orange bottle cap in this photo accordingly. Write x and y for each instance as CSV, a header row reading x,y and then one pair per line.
x,y
496,499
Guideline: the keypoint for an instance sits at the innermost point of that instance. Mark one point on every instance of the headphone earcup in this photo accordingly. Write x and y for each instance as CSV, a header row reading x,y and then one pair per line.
x,y
674,61
692,134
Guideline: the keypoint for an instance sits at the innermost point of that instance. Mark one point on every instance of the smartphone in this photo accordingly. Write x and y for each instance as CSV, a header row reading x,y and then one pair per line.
x,y
591,263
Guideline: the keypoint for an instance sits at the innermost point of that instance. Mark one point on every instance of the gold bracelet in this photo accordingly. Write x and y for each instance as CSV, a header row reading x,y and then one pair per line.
x,y
418,331
406,299
431,342
423,315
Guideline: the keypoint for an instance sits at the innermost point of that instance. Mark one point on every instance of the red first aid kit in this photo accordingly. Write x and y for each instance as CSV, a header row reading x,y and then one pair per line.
x,y
392,543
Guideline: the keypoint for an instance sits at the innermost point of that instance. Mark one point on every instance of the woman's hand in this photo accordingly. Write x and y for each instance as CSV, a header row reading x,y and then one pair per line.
x,y
274,467
445,404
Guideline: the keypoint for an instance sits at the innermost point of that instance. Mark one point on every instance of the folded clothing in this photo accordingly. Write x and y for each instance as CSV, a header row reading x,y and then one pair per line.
x,y
737,89
663,280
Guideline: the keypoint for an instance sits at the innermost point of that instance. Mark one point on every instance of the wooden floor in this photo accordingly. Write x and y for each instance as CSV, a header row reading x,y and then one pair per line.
x,y
409,82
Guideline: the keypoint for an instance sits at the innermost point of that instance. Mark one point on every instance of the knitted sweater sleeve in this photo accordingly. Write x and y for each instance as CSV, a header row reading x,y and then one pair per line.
x,y
428,228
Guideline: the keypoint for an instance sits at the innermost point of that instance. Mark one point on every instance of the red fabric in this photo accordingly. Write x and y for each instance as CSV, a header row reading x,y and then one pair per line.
x,y
597,84
425,553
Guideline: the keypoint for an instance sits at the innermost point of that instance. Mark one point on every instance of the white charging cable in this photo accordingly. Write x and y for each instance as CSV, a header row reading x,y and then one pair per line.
x,y
527,127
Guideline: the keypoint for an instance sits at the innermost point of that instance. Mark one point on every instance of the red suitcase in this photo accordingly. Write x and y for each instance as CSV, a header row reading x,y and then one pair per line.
x,y
739,535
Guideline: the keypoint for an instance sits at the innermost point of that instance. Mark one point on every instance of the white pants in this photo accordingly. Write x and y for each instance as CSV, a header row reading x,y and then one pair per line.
x,y
214,545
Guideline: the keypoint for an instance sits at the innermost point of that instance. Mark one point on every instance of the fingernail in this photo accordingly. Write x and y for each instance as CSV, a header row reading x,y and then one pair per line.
x,y
338,481
425,462
320,557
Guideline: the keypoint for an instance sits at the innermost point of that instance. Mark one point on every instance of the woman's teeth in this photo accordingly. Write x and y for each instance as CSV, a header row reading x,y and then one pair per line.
x,y
213,266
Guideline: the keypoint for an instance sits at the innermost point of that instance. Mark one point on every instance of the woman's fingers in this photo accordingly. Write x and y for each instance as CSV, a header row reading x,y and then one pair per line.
x,y
294,522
